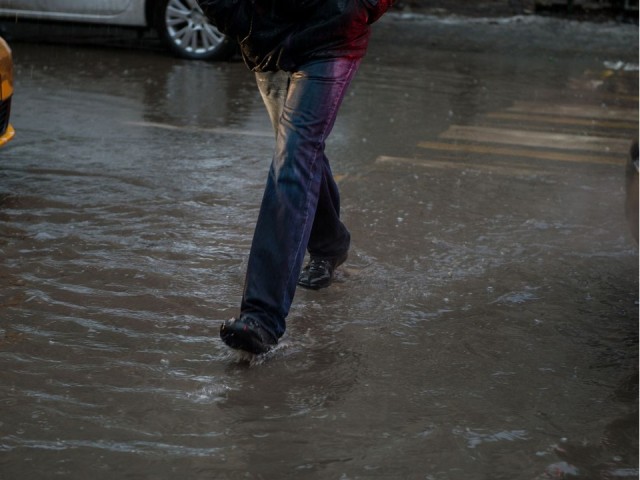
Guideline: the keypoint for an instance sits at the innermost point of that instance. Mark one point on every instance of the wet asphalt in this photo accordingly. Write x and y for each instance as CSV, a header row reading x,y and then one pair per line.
x,y
485,325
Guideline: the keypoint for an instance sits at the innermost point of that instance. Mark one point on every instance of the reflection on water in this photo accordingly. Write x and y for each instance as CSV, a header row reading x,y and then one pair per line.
x,y
485,325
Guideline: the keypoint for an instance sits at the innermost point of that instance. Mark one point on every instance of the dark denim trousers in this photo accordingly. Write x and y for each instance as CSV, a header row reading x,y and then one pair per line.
x,y
300,208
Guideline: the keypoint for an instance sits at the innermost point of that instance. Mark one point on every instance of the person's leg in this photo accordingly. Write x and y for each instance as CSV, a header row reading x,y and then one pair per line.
x,y
329,240
273,87
291,197
329,237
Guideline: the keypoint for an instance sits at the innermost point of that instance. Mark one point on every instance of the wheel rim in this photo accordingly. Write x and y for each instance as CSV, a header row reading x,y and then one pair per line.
x,y
189,29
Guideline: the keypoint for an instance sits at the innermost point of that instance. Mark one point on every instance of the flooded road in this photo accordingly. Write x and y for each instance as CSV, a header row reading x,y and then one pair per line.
x,y
484,327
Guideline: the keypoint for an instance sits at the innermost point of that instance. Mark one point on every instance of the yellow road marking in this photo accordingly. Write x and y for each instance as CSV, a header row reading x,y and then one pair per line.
x,y
522,152
537,139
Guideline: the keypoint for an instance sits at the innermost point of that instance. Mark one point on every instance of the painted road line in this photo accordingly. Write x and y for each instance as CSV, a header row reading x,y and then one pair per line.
x,y
529,138
481,167
522,153
568,121
586,111
216,130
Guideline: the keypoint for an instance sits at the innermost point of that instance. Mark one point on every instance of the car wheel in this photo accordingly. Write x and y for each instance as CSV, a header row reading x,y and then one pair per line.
x,y
188,33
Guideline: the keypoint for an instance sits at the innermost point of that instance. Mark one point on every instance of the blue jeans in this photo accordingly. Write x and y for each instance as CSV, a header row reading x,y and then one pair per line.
x,y
300,208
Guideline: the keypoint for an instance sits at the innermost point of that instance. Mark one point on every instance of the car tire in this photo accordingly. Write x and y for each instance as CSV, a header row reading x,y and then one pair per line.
x,y
187,32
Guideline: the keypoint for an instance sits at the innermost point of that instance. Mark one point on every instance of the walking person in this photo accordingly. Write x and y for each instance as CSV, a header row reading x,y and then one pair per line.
x,y
304,54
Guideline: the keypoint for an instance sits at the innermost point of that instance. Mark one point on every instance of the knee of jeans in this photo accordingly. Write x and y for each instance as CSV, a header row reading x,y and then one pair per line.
x,y
298,141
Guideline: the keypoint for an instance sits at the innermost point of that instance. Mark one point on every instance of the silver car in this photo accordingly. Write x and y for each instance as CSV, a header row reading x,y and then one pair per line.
x,y
180,23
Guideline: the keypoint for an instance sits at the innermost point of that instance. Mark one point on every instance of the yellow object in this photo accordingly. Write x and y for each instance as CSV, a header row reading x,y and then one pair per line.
x,y
6,92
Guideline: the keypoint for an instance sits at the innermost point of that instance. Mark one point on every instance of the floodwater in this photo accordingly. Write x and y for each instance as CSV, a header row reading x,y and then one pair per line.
x,y
485,325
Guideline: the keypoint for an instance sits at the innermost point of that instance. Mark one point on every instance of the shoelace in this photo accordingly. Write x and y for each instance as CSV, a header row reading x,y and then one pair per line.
x,y
319,265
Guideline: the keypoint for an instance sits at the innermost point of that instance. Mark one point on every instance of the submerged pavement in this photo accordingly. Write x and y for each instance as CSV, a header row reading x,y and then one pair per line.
x,y
484,326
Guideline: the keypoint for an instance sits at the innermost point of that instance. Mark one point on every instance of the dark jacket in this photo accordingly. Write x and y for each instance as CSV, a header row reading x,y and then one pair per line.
x,y
283,34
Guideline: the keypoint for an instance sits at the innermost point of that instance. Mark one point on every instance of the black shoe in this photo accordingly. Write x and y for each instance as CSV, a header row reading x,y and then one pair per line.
x,y
247,335
318,273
